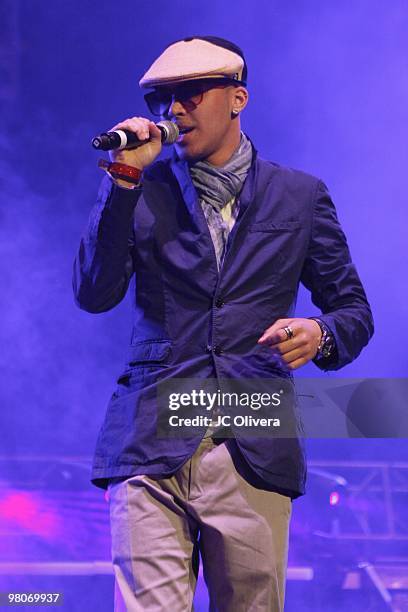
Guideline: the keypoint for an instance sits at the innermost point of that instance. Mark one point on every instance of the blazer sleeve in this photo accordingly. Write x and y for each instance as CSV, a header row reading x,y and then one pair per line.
x,y
103,265
334,283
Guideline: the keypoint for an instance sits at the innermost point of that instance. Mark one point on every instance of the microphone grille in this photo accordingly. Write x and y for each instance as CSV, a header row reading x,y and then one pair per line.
x,y
170,130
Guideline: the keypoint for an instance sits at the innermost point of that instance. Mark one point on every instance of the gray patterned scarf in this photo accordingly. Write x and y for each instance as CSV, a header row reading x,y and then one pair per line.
x,y
217,186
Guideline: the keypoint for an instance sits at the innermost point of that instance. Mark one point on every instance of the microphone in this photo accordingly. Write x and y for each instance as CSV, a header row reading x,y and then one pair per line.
x,y
119,139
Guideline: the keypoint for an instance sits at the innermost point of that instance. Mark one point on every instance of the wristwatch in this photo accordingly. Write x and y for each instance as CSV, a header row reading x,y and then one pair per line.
x,y
327,342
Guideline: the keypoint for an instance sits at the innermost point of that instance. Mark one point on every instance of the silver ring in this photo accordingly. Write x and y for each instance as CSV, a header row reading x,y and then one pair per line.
x,y
289,332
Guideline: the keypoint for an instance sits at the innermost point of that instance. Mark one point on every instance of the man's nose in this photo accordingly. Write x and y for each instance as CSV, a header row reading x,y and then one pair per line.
x,y
175,108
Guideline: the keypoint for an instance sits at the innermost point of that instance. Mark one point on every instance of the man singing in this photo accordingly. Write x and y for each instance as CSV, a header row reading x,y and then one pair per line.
x,y
218,240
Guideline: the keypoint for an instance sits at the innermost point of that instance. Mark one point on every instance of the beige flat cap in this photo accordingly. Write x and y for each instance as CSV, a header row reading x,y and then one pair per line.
x,y
194,58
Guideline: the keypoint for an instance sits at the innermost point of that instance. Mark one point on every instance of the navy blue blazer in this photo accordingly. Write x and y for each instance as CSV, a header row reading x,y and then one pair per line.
x,y
192,322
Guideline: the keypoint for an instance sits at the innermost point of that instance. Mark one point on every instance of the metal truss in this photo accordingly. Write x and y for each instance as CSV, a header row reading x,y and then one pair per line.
x,y
373,499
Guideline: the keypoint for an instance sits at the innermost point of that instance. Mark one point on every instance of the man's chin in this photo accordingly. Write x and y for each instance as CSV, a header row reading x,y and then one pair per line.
x,y
188,155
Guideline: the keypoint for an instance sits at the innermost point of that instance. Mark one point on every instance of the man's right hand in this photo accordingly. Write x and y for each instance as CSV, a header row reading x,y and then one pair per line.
x,y
144,154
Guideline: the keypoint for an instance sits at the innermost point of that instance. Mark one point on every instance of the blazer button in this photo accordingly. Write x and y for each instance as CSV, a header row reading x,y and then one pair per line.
x,y
219,303
216,350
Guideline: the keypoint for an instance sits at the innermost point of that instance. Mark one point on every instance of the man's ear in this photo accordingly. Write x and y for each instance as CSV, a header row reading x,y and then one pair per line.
x,y
240,100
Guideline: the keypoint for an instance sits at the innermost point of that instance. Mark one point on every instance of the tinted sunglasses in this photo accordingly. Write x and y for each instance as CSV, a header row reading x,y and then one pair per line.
x,y
190,94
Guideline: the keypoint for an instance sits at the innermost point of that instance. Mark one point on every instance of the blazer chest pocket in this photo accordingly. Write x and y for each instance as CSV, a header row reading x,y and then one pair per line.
x,y
276,246
284,226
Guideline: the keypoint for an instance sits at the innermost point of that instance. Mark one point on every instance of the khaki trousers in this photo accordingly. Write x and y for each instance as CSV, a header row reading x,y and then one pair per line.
x,y
159,526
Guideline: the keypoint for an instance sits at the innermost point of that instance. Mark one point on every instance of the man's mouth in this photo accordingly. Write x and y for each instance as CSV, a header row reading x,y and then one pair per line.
x,y
185,130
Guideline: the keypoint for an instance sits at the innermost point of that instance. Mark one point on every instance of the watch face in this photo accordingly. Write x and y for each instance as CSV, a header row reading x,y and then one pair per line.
x,y
326,351
327,347
327,342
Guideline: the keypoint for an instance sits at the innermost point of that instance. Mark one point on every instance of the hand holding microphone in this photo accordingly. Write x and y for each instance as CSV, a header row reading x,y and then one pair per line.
x,y
143,135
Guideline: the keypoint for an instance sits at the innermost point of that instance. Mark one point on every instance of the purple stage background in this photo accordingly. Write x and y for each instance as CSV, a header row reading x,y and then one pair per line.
x,y
328,86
